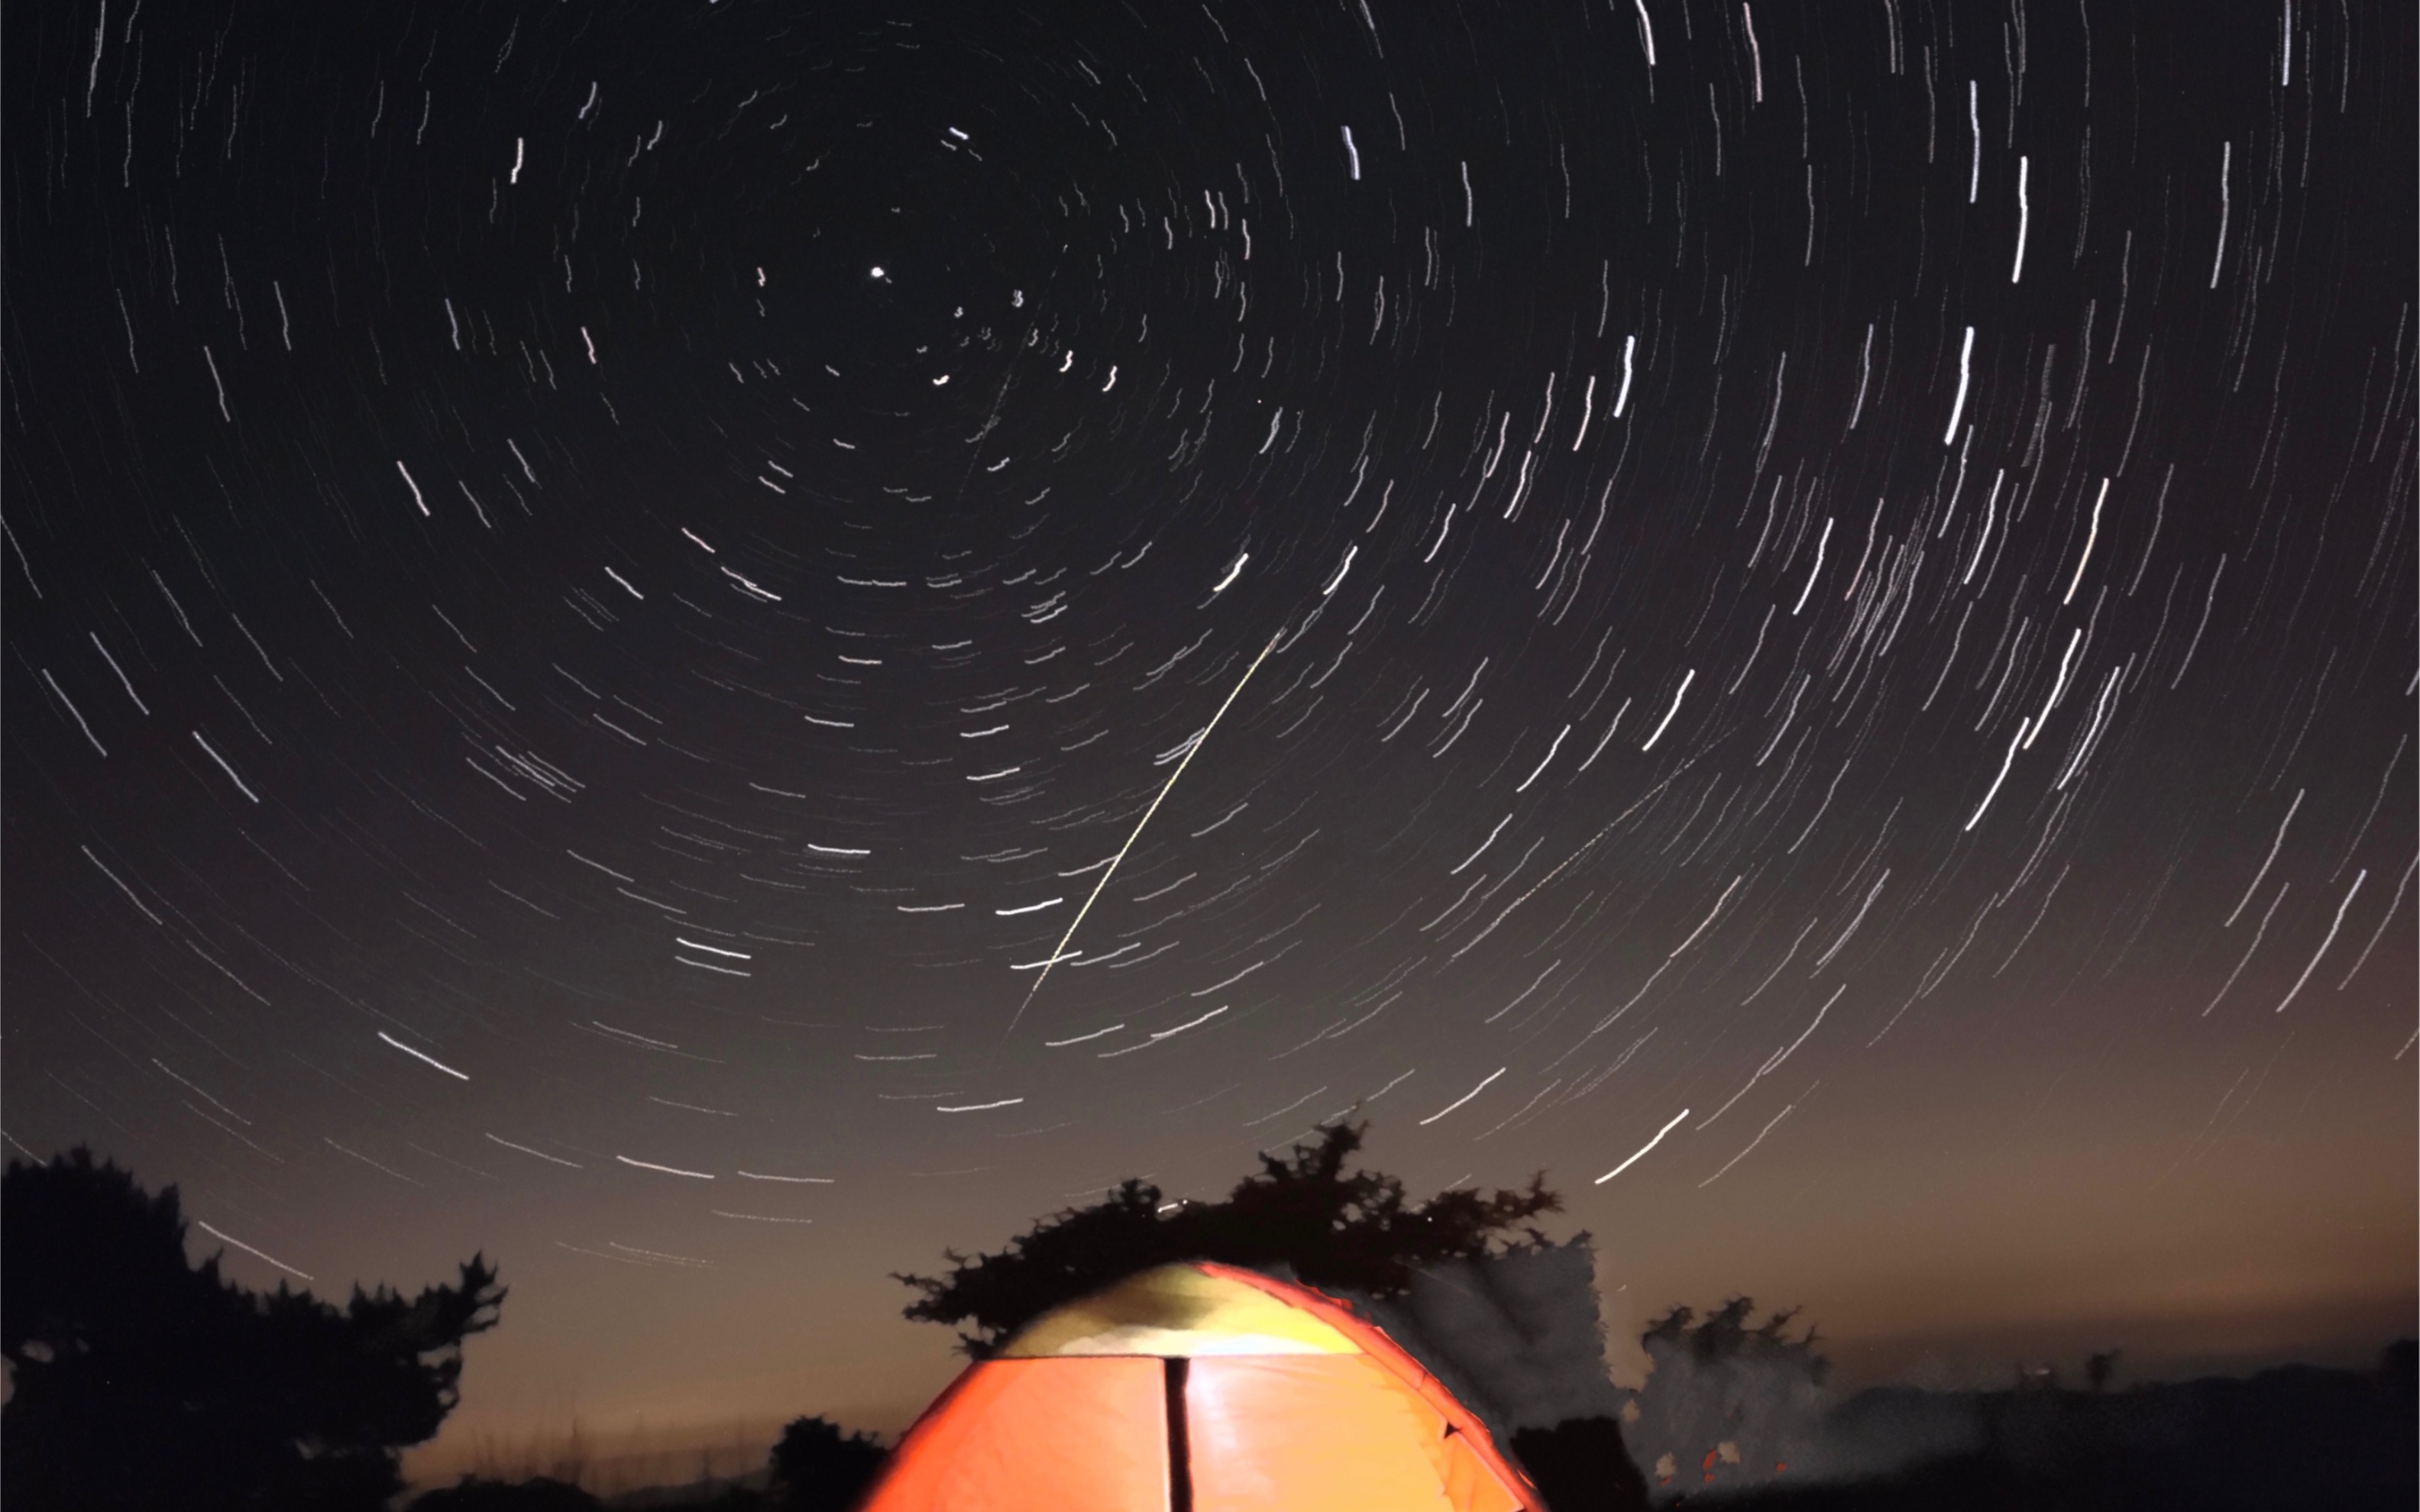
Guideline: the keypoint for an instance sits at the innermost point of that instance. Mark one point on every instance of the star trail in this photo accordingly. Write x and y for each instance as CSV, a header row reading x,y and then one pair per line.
x,y
711,646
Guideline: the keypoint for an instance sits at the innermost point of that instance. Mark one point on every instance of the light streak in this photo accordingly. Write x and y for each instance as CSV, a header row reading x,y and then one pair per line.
x,y
1199,741
1464,1098
2341,910
1643,1149
2270,861
2006,762
1751,1147
668,1170
1815,571
1965,368
2024,217
226,767
418,1055
249,1250
2094,535
1678,695
539,1153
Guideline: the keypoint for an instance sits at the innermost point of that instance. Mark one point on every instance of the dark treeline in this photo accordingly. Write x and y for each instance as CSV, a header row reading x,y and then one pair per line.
x,y
144,1380
2288,1438
141,1381
816,1467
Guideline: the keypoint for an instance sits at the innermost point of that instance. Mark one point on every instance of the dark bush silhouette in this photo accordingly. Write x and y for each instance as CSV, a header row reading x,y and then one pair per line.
x,y
471,1494
1582,1465
1725,1405
2398,1370
1355,1230
817,1469
142,1381
1723,1336
2099,1367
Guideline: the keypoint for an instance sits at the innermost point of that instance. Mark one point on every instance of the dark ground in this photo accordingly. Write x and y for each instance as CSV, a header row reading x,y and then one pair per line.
x,y
2297,1437
2294,1437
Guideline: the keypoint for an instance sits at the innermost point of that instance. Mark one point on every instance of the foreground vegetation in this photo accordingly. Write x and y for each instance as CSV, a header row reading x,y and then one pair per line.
x,y
143,1382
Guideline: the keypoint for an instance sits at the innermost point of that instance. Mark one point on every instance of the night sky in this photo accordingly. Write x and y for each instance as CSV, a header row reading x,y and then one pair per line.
x,y
711,646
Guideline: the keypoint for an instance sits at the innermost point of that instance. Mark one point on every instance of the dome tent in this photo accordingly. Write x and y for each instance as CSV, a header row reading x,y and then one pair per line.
x,y
1200,1387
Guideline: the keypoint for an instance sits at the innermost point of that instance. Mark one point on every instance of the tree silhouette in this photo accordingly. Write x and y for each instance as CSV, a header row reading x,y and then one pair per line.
x,y
143,1382
816,1469
1731,1400
2398,1370
1335,1228
2097,1369
1723,1336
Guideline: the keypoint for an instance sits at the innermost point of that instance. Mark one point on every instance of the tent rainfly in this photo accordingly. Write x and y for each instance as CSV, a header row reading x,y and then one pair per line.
x,y
1200,1387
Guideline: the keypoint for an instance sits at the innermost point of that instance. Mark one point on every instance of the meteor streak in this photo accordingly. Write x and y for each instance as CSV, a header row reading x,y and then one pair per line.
x,y
1060,953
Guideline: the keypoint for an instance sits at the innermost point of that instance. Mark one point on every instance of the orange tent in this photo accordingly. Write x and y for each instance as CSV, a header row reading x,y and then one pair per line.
x,y
1200,1388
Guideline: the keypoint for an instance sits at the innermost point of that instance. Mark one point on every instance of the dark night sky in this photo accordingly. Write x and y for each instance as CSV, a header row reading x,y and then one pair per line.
x,y
589,592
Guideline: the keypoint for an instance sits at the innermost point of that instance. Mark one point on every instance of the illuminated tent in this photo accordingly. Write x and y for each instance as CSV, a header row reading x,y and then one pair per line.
x,y
1199,1388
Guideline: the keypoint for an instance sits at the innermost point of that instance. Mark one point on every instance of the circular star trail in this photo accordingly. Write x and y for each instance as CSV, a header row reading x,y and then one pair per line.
x,y
714,645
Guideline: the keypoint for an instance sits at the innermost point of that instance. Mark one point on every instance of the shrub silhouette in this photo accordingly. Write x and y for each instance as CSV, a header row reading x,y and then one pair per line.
x,y
816,1469
1582,1464
2398,1370
1356,1230
473,1494
1723,1336
2099,1367
1726,1402
142,1381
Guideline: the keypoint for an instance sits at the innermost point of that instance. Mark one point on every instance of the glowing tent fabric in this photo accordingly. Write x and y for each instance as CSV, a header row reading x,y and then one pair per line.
x,y
1200,1388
